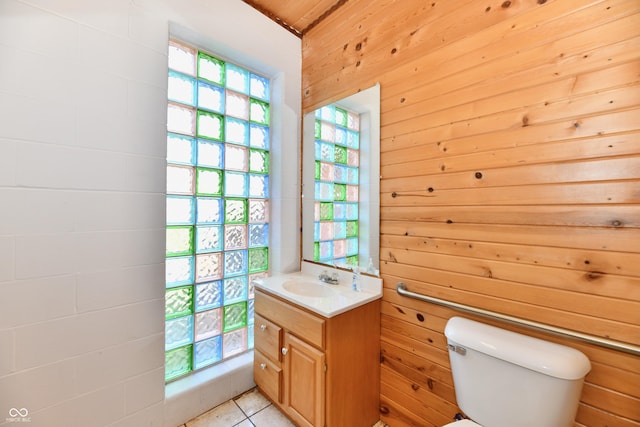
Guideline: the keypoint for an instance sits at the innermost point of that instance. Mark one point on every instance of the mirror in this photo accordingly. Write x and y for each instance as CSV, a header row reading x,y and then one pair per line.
x,y
341,183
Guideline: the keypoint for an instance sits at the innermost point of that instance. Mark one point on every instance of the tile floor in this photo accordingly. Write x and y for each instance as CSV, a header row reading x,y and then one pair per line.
x,y
250,409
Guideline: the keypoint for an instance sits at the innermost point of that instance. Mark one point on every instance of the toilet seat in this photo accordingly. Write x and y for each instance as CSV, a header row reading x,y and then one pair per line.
x,y
462,423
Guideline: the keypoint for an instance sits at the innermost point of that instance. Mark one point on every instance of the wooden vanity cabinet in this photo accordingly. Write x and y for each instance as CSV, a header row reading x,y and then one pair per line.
x,y
319,371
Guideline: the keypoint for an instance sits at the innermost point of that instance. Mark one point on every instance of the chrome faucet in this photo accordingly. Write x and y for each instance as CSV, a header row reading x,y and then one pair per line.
x,y
330,279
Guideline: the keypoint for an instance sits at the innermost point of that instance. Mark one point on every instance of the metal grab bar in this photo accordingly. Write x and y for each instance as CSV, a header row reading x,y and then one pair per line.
x,y
602,342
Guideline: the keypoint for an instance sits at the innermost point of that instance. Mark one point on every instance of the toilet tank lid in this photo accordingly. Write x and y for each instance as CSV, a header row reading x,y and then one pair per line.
x,y
542,356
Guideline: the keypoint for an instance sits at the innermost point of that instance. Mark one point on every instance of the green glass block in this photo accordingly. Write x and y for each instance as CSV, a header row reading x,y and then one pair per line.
x,y
178,302
258,161
235,316
179,241
208,182
352,228
340,192
352,260
210,125
318,130
177,362
316,251
341,117
259,112
258,260
210,68
326,211
235,211
317,173
340,154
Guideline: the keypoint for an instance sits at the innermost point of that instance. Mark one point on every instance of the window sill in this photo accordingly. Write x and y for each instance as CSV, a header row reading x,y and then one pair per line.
x,y
195,394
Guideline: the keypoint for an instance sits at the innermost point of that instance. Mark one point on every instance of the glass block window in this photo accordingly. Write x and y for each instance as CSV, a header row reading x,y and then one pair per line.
x,y
337,160
218,137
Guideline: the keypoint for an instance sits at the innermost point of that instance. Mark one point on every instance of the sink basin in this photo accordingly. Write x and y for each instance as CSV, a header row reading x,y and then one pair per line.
x,y
308,289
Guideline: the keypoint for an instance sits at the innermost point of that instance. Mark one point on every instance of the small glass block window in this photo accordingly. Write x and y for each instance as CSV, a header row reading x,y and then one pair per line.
x,y
217,231
337,172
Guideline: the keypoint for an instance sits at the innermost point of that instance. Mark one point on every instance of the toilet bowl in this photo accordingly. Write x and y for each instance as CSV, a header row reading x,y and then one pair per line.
x,y
463,423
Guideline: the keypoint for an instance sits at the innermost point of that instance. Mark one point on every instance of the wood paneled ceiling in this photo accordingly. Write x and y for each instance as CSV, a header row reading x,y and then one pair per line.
x,y
297,16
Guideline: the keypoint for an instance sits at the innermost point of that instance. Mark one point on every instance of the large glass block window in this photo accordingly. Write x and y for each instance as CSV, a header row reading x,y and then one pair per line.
x,y
218,139
337,158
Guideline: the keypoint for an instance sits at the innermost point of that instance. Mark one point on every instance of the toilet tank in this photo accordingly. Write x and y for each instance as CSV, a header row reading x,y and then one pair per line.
x,y
506,379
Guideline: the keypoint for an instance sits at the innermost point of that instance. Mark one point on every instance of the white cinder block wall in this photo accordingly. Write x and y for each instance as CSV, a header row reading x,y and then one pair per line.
x,y
82,180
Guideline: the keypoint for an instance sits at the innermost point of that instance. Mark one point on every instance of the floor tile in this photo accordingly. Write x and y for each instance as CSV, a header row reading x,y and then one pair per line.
x,y
252,401
270,417
245,423
226,415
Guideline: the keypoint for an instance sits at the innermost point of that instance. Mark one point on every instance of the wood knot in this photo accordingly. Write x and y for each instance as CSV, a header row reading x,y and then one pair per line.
x,y
542,1
430,190
384,410
394,194
593,275
394,50
617,223
488,9
525,121
449,221
402,100
430,384
505,4
358,46
478,175
415,387
420,317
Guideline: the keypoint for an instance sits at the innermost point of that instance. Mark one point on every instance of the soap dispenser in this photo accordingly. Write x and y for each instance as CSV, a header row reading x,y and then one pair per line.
x,y
355,285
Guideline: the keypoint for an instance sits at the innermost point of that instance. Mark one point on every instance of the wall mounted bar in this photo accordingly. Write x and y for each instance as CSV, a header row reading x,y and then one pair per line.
x,y
402,289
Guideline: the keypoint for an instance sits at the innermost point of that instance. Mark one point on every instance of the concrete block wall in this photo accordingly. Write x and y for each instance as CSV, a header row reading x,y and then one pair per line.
x,y
82,181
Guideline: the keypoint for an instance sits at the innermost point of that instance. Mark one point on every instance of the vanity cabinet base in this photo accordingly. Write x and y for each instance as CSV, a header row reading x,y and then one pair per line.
x,y
327,370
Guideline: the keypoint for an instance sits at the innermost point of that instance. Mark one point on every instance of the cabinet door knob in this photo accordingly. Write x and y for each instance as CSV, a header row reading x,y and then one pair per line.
x,y
284,351
263,327
263,366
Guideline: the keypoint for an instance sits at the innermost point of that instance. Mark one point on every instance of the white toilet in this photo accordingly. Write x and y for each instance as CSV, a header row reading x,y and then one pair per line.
x,y
505,379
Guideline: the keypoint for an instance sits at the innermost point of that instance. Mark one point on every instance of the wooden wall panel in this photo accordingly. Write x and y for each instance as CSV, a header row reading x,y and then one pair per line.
x,y
510,165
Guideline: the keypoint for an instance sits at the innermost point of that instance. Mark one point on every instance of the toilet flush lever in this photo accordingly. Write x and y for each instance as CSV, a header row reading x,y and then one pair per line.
x,y
458,349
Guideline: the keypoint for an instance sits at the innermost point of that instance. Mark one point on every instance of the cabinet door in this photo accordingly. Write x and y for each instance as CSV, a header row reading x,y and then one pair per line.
x,y
304,382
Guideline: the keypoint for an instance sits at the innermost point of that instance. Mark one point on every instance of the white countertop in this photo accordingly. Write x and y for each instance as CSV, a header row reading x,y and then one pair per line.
x,y
336,299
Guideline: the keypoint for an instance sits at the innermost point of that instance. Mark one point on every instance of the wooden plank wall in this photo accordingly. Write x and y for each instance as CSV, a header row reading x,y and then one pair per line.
x,y
510,161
